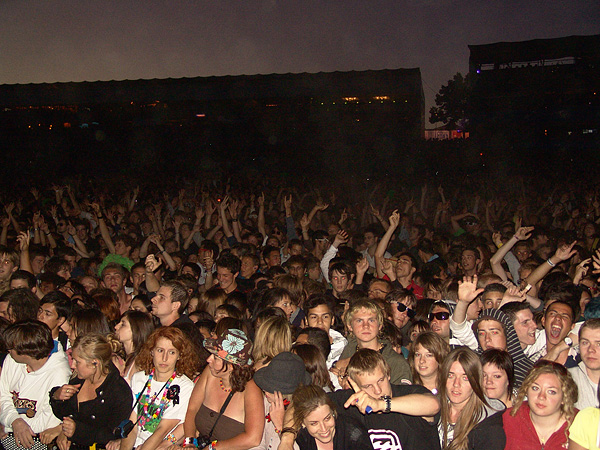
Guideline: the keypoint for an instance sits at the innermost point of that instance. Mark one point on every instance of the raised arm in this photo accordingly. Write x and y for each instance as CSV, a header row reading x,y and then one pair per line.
x,y
79,245
103,228
155,239
261,215
23,240
152,283
522,233
467,294
234,210
3,235
222,211
563,253
289,220
383,243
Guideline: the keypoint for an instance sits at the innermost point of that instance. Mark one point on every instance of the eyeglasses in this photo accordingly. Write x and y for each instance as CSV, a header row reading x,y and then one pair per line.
x,y
409,312
439,316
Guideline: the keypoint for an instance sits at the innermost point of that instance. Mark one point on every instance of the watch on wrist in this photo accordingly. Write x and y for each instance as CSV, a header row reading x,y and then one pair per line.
x,y
388,403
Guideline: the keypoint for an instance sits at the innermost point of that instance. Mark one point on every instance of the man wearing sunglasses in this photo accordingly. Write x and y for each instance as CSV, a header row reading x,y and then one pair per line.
x,y
400,304
439,318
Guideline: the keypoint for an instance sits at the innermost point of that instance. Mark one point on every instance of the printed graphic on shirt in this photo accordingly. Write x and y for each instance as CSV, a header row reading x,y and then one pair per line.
x,y
24,405
384,440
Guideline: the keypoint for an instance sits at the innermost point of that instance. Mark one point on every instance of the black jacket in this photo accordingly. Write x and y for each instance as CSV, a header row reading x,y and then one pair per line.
x,y
96,419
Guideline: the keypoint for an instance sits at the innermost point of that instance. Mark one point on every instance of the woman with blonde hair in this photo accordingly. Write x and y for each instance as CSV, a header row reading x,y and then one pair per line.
x,y
428,352
273,336
96,400
468,419
543,420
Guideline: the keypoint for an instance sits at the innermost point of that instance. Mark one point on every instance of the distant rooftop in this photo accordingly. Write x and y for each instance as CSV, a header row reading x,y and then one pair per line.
x,y
578,47
389,82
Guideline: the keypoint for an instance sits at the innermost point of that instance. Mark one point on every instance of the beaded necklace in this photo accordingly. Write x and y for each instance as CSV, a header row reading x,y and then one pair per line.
x,y
145,403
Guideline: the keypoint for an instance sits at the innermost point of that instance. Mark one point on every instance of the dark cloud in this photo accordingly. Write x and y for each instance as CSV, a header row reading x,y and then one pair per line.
x,y
75,40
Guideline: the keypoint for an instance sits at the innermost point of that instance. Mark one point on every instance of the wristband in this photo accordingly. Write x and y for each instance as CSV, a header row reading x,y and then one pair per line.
x,y
100,217
388,403
288,430
212,445
550,263
234,220
190,442
48,233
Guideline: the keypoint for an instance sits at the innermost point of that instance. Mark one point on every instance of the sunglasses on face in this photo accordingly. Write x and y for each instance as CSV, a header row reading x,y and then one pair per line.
x,y
409,312
439,316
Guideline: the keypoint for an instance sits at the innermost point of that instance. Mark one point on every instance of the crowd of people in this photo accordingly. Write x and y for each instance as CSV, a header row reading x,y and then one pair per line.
x,y
234,315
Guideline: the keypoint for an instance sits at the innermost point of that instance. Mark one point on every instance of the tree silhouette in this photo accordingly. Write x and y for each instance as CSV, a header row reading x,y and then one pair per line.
x,y
452,103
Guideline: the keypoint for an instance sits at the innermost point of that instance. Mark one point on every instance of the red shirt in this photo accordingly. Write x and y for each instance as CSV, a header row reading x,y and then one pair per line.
x,y
521,434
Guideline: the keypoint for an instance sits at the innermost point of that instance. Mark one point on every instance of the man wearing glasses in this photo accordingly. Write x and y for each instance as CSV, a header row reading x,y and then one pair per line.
x,y
400,304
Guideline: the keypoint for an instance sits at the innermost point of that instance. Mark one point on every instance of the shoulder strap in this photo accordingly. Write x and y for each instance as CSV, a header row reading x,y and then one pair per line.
x,y
223,408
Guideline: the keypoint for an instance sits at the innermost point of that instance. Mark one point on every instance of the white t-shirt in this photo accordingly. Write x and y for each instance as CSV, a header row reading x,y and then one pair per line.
x,y
171,411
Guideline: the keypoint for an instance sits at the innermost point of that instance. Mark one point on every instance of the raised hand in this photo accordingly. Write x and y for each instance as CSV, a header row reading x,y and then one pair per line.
x,y
23,240
340,238
343,216
394,219
374,210
497,238
565,252
524,233
321,206
467,289
152,263
362,266
304,223
71,229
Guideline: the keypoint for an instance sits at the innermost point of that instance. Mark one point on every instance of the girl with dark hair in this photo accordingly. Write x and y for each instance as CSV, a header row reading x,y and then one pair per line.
x,y
315,365
132,331
498,375
142,303
468,420
227,378
426,357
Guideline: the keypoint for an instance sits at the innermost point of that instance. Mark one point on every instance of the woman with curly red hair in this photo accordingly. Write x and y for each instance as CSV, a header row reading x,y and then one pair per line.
x,y
162,388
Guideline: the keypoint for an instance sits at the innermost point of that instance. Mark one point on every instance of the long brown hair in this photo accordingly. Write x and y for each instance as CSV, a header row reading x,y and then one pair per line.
x,y
315,364
432,342
474,410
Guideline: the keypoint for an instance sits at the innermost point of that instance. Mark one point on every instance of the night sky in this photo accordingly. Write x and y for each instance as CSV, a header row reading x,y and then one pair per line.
x,y
76,40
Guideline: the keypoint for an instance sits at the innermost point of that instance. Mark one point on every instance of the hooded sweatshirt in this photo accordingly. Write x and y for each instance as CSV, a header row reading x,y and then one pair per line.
x,y
522,364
